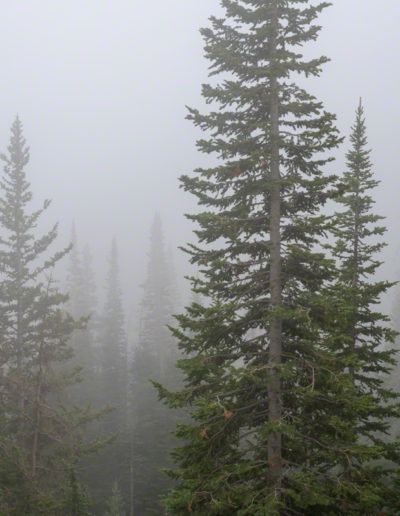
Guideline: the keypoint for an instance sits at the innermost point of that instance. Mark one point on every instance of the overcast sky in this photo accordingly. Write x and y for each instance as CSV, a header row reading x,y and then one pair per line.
x,y
101,87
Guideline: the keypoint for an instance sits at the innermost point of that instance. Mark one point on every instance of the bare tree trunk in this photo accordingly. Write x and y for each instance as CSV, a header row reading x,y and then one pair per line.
x,y
275,352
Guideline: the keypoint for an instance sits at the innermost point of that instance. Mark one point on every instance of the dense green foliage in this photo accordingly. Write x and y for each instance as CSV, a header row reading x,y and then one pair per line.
x,y
364,335
75,502
39,436
262,202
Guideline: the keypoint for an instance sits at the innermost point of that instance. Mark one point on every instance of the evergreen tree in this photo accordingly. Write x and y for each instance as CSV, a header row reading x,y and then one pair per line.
x,y
76,502
113,462
271,399
116,505
153,359
367,333
82,306
113,344
39,437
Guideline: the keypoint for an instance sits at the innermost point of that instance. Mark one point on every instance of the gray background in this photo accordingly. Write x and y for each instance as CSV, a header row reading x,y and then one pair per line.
x,y
101,86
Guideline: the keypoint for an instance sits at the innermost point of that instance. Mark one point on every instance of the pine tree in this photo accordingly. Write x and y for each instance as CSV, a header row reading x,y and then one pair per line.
x,y
76,502
358,242
114,346
116,505
82,306
39,437
271,398
113,462
154,359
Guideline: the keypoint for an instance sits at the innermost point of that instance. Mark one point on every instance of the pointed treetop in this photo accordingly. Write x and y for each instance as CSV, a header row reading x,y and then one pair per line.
x,y
19,151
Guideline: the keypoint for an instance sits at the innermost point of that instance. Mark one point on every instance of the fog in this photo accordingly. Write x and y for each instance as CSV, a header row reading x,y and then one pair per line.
x,y
101,88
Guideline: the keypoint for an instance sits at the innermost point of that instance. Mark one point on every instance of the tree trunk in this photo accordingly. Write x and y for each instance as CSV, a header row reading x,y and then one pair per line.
x,y
275,351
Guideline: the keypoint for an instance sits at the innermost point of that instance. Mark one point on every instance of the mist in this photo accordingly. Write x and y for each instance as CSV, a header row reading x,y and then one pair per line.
x,y
101,88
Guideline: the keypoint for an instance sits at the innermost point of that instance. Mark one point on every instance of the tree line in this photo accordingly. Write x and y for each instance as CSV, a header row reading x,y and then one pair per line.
x,y
79,417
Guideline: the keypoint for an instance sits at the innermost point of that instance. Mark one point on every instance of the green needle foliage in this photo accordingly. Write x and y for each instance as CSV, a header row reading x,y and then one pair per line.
x,y
365,335
39,436
76,502
269,384
268,394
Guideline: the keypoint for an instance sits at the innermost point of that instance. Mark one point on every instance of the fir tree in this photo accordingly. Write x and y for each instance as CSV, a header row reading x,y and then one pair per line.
x,y
82,306
113,462
154,359
38,436
76,502
116,505
272,400
113,345
367,333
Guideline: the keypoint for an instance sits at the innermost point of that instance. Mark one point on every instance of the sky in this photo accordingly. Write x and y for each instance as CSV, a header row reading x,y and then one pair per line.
x,y
101,87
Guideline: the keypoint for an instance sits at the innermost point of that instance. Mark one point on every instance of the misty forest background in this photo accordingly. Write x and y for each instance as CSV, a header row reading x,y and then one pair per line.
x,y
95,93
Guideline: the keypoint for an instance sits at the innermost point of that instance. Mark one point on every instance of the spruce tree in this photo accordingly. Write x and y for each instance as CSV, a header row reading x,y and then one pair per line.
x,y
368,342
112,463
113,346
82,306
271,398
116,505
76,502
153,360
39,436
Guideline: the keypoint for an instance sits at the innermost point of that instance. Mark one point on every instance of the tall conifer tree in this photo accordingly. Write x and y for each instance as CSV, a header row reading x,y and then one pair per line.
x,y
269,395
113,344
82,306
38,436
112,464
154,359
358,233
